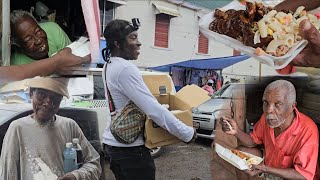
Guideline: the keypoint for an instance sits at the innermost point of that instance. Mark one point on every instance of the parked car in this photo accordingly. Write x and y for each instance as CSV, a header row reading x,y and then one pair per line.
x,y
206,114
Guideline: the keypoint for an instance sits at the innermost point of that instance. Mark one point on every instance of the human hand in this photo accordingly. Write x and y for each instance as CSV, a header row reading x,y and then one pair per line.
x,y
253,172
262,167
68,176
229,125
309,56
66,60
194,137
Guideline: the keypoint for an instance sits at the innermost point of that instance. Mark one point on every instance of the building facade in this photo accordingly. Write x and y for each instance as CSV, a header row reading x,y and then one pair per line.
x,y
169,30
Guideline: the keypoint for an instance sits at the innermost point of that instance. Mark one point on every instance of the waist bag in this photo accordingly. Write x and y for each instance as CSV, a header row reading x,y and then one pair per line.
x,y
127,125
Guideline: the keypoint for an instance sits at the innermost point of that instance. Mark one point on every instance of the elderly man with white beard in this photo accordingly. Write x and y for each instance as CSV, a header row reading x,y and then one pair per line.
x,y
290,138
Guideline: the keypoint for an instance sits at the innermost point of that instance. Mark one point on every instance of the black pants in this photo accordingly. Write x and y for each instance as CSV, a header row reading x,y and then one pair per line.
x,y
131,163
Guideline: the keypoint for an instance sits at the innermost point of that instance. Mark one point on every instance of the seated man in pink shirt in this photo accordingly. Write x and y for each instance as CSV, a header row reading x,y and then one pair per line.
x,y
208,87
290,138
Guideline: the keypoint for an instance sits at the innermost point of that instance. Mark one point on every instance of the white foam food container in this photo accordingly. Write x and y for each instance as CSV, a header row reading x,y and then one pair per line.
x,y
274,62
233,159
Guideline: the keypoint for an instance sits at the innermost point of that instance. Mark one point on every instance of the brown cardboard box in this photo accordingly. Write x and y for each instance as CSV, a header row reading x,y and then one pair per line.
x,y
180,104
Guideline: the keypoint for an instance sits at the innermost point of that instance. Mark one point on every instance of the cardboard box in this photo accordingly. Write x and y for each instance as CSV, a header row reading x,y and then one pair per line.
x,y
235,160
180,104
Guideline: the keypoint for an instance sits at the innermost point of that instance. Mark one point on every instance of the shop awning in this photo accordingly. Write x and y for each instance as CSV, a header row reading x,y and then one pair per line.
x,y
162,8
212,63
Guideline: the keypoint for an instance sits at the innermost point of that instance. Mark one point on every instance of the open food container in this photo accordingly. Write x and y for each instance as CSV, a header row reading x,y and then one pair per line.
x,y
273,61
235,160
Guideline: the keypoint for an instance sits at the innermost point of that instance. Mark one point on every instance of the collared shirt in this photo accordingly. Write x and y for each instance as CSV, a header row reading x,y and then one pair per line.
x,y
296,147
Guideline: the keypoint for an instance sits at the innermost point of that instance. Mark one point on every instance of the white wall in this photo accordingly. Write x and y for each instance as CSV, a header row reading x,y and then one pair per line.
x,y
183,35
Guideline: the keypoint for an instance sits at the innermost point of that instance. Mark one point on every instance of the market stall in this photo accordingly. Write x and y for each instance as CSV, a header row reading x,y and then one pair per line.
x,y
198,71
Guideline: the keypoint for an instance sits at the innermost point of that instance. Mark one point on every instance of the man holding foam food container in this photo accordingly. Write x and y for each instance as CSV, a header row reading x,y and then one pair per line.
x,y
289,138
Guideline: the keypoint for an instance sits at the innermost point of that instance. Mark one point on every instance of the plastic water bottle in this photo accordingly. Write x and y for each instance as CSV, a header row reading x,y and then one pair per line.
x,y
77,147
70,158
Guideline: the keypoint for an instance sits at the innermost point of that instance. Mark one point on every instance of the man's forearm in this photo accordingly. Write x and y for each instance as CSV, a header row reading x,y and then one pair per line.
x,y
245,139
20,72
294,4
289,173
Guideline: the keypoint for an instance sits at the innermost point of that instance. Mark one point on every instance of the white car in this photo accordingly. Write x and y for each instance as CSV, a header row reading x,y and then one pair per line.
x,y
206,114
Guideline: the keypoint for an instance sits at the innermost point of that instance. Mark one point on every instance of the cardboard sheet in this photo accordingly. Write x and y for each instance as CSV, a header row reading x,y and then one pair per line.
x,y
180,105
155,81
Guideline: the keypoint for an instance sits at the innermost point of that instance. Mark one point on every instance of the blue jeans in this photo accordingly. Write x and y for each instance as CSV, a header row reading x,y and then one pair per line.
x,y
131,163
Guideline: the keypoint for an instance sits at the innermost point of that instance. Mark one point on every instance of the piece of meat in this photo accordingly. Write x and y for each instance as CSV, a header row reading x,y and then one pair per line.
x,y
241,24
248,36
221,27
281,50
229,13
213,25
265,41
218,14
250,10
261,11
234,25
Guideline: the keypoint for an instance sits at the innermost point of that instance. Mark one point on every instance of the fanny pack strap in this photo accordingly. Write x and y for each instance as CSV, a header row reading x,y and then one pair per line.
x,y
107,92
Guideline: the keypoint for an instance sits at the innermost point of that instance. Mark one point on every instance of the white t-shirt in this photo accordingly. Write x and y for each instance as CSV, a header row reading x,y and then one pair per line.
x,y
26,142
125,83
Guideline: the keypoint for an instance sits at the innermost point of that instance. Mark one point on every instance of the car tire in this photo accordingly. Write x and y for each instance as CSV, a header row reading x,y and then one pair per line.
x,y
155,152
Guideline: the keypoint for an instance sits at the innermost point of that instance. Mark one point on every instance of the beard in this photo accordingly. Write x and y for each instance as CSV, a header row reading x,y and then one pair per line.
x,y
274,121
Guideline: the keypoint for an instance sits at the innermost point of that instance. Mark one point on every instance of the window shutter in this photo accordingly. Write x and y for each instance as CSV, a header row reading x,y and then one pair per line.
x,y
162,30
203,44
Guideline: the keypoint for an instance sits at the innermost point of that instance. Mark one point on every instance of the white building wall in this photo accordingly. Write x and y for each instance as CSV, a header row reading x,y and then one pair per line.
x,y
183,35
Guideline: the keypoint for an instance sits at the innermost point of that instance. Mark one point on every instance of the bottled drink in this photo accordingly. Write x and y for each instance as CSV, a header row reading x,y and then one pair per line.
x,y
77,147
69,158
251,127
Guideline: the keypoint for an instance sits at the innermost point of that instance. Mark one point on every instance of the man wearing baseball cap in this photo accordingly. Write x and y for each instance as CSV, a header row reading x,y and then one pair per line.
x,y
43,134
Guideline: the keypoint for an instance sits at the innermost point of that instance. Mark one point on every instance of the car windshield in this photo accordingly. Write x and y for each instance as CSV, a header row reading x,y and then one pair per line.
x,y
5,114
224,92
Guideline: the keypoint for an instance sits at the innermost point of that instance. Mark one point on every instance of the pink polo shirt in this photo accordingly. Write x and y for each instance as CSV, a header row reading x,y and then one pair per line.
x,y
296,147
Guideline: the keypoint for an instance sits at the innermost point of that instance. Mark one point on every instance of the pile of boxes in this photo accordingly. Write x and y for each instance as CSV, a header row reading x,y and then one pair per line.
x,y
180,104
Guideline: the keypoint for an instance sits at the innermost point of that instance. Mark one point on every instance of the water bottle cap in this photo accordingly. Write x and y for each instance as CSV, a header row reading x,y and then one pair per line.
x,y
69,145
75,140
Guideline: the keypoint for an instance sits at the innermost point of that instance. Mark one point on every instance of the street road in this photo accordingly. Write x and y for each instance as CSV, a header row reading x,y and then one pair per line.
x,y
182,162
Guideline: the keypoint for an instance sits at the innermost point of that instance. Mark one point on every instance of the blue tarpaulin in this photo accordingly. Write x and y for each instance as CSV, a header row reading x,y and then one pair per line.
x,y
212,63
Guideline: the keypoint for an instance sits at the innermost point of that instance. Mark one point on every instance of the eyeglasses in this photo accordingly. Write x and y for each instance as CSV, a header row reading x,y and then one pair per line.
x,y
42,95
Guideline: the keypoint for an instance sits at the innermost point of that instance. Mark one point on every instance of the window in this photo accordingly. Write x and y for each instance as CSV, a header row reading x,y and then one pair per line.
x,y
106,13
162,30
236,53
203,44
